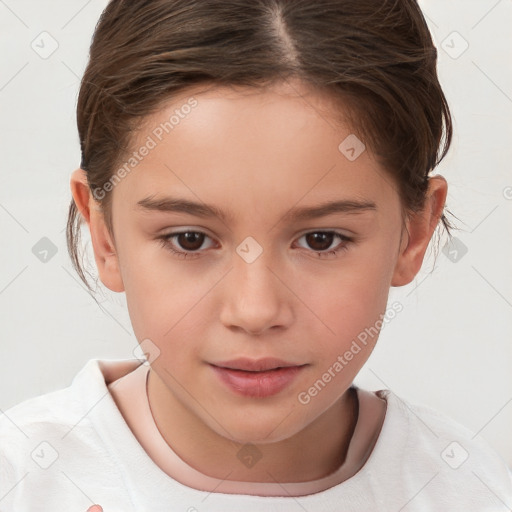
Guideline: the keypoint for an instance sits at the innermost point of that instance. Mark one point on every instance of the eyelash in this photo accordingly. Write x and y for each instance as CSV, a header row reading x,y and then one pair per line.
x,y
165,242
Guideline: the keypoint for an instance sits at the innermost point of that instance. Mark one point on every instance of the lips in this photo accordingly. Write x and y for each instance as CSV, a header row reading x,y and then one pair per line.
x,y
256,378
255,365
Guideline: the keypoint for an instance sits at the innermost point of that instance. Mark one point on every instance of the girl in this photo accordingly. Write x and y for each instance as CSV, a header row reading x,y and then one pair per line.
x,y
255,176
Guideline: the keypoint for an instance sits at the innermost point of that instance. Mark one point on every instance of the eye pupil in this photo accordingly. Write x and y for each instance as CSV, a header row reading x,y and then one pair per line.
x,y
314,239
188,240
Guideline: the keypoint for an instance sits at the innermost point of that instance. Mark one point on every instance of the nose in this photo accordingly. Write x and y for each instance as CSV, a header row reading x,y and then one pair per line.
x,y
254,299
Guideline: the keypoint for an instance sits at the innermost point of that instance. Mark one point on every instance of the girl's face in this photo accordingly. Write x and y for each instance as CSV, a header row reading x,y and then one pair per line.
x,y
247,175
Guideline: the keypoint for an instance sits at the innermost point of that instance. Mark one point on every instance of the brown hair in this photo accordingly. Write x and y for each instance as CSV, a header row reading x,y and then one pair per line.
x,y
377,54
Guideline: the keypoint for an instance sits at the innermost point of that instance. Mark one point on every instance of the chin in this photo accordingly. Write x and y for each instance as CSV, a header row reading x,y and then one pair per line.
x,y
257,430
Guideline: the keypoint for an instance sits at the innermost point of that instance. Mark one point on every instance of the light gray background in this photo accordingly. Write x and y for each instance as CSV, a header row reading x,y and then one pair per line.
x,y
450,348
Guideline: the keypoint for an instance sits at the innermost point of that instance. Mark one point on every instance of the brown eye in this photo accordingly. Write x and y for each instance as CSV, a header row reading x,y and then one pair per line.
x,y
186,244
320,241
190,240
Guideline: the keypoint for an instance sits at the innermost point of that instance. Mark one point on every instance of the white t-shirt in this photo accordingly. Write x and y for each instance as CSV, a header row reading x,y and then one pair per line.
x,y
65,450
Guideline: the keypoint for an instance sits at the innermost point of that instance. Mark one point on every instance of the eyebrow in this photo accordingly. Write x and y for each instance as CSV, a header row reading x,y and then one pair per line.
x,y
170,204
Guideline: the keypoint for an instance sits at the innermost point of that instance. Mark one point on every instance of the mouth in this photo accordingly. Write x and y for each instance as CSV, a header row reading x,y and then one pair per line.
x,y
257,378
256,365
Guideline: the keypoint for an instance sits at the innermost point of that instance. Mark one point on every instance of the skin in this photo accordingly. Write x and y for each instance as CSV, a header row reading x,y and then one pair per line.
x,y
256,154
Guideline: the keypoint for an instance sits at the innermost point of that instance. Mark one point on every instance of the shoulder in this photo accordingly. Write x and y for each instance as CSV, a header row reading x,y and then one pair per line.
x,y
34,439
50,444
36,427
66,409
429,425
450,458
62,407
67,413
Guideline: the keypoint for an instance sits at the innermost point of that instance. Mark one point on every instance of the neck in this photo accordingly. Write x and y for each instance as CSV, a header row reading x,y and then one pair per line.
x,y
312,453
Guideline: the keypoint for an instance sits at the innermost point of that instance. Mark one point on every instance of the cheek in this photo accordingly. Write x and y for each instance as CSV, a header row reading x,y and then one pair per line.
x,y
168,306
165,310
157,289
350,299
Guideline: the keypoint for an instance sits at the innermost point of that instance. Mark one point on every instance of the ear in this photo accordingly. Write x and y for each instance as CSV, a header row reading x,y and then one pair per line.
x,y
418,231
105,253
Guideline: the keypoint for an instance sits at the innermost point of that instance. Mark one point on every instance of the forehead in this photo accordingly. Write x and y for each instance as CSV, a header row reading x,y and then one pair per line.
x,y
275,144
272,113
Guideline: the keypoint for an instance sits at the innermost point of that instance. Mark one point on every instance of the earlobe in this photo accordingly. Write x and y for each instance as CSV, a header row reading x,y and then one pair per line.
x,y
105,253
418,230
